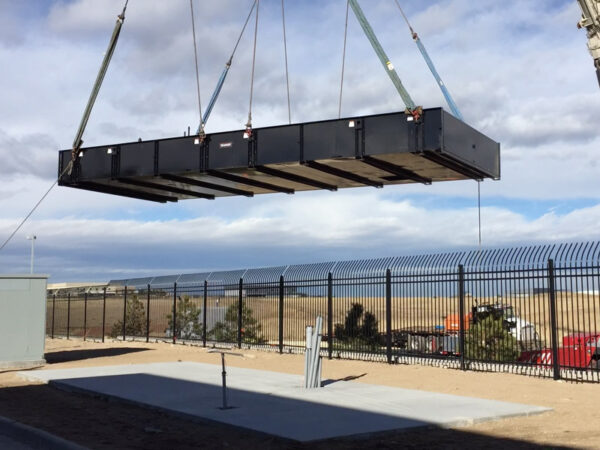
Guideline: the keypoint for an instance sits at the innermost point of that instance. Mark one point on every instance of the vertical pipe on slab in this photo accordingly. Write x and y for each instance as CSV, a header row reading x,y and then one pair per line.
x,y
307,355
103,313
85,298
224,378
53,310
174,313
124,330
68,314
553,325
315,352
148,313
461,315
330,315
204,313
281,288
388,315
240,310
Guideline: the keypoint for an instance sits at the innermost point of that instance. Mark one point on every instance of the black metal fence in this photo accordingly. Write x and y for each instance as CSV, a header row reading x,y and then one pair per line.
x,y
532,310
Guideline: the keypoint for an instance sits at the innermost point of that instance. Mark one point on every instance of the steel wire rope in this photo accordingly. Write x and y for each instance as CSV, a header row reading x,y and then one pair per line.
x,y
479,209
35,207
287,77
196,60
84,120
249,124
343,60
242,32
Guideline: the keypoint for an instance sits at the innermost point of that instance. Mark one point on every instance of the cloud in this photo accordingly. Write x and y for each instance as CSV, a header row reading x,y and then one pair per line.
x,y
308,228
519,71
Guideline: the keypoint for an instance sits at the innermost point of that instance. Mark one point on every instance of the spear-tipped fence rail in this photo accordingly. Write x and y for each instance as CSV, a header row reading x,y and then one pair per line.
x,y
530,309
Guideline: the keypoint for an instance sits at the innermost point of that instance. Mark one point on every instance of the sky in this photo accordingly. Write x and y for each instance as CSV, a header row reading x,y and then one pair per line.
x,y
519,71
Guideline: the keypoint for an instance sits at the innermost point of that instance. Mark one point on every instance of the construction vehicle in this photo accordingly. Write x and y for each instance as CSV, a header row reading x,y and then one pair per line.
x,y
445,339
590,20
579,350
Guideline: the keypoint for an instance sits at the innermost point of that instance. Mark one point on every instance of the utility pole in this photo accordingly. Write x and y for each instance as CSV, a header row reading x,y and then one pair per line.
x,y
32,238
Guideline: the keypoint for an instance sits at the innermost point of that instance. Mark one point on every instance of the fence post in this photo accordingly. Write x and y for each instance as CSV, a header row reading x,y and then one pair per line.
x,y
461,315
124,311
68,313
148,313
240,309
553,325
330,315
85,298
388,315
103,313
53,309
174,313
281,314
204,313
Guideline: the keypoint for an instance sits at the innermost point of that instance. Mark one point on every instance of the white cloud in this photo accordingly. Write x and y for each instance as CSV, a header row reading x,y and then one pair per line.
x,y
309,227
519,71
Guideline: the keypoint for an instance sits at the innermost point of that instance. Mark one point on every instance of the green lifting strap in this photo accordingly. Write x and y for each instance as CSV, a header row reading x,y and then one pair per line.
x,y
96,89
385,61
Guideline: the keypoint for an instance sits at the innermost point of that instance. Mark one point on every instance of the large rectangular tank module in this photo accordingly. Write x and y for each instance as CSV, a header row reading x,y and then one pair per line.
x,y
22,321
375,150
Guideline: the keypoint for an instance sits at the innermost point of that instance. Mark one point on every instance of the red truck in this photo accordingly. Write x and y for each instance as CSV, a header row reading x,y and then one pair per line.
x,y
579,350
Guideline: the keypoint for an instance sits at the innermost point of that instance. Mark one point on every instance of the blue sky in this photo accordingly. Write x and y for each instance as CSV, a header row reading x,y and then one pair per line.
x,y
519,71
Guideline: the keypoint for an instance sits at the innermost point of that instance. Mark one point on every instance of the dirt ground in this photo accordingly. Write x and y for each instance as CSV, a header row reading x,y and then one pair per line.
x,y
102,424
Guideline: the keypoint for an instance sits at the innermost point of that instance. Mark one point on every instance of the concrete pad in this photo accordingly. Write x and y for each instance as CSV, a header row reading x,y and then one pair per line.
x,y
275,403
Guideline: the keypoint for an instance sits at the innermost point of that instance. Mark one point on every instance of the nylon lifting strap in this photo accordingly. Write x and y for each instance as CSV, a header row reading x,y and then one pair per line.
x,y
431,66
78,141
385,61
221,81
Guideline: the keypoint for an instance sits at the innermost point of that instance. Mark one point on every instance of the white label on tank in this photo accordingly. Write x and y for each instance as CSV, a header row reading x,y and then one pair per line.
x,y
226,145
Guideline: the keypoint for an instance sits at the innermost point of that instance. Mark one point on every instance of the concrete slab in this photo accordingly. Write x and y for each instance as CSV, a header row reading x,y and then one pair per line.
x,y
275,403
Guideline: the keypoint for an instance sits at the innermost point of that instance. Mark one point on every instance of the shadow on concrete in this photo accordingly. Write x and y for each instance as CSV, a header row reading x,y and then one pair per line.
x,y
348,378
78,355
290,419
94,422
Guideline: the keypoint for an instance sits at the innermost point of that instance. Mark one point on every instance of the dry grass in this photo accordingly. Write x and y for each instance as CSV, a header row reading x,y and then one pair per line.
x,y
575,313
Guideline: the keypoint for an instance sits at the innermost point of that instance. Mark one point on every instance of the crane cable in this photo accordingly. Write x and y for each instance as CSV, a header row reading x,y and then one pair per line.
x,y
287,77
35,207
448,98
78,141
248,132
221,81
197,73
432,69
343,60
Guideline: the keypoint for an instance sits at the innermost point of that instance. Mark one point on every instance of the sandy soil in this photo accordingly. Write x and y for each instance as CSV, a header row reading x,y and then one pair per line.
x,y
101,424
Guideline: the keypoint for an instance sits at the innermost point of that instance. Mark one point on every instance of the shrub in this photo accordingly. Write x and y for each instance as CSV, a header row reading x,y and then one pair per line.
x,y
358,328
135,321
227,331
188,320
489,340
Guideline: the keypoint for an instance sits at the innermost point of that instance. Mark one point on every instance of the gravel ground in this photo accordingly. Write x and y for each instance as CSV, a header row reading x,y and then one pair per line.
x,y
101,424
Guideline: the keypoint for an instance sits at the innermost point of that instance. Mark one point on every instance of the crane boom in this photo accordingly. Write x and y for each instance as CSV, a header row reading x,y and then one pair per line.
x,y
590,20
